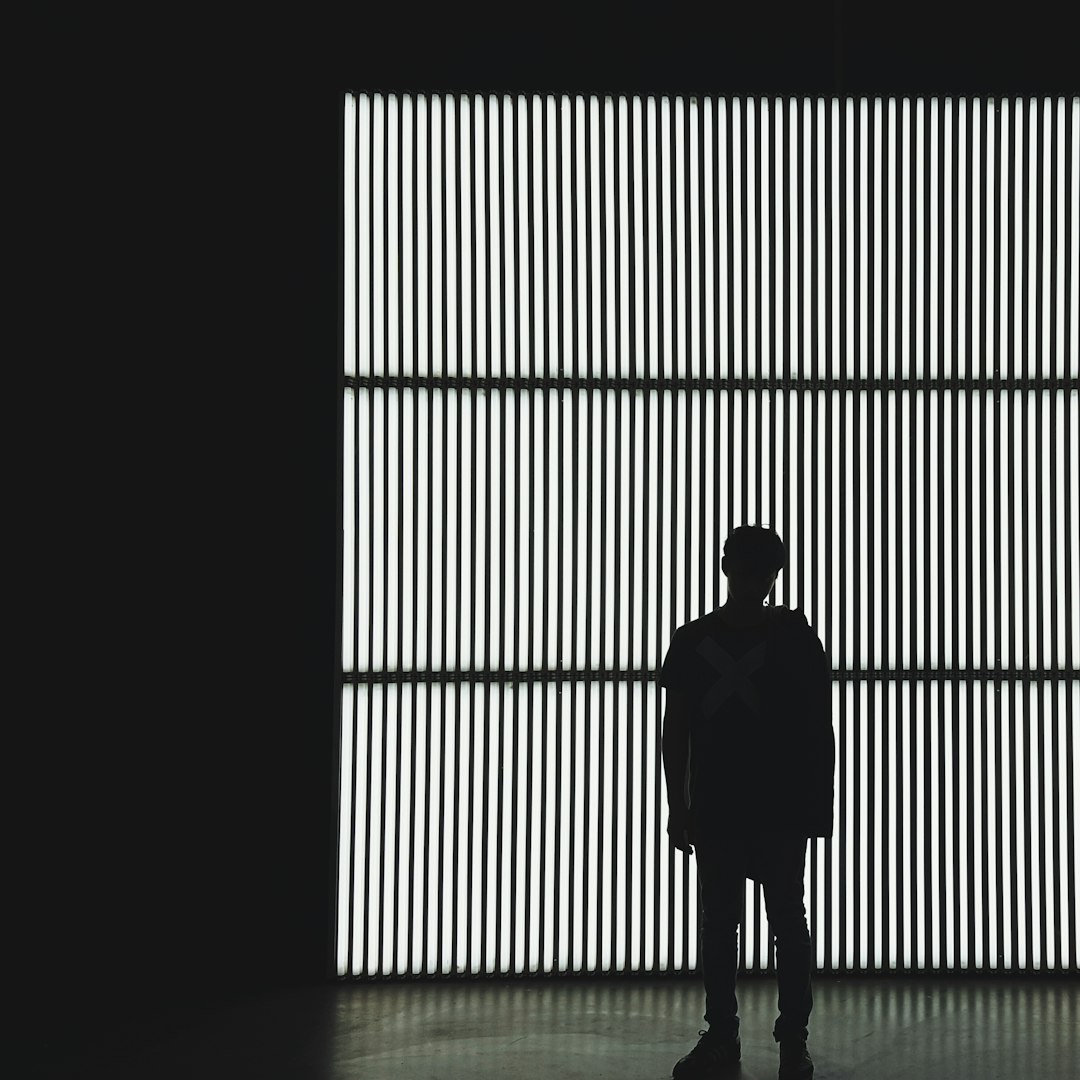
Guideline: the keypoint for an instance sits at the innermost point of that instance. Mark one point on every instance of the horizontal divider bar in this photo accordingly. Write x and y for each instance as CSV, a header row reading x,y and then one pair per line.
x,y
640,674
743,383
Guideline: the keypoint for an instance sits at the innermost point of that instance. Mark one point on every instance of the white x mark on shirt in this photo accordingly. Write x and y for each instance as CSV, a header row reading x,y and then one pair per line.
x,y
734,675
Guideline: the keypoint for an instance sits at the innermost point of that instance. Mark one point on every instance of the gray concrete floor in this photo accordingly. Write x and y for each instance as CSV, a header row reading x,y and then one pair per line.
x,y
992,1028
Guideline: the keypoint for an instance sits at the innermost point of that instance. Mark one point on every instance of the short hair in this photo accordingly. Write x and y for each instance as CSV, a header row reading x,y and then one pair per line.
x,y
756,548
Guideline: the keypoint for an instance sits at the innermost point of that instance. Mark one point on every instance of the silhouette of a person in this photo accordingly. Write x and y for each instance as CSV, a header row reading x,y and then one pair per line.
x,y
749,755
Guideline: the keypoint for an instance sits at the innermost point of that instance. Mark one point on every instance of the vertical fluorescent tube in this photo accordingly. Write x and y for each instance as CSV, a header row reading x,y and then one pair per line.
x,y
351,197
1068,750
876,716
1062,402
851,403
1063,241
852,864
861,807
348,530
438,360
346,875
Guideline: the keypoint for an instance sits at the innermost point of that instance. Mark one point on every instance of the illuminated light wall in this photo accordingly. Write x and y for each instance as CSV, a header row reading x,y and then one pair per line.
x,y
583,339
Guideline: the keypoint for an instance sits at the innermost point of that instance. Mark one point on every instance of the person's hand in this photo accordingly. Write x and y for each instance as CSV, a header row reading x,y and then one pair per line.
x,y
678,828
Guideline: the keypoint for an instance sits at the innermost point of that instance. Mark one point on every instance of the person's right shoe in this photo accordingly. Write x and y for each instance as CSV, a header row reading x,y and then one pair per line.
x,y
712,1057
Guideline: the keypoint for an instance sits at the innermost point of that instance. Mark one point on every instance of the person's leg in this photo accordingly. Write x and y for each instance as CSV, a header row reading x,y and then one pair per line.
x,y
721,886
784,865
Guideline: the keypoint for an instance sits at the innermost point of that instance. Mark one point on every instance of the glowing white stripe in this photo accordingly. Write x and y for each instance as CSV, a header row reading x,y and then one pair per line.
x,y
766,347
934,361
1058,279
874,554
791,315
404,215
406,584
847,817
877,717
724,362
750,330
736,121
1068,709
850,403
1073,538
946,284
666,254
1062,406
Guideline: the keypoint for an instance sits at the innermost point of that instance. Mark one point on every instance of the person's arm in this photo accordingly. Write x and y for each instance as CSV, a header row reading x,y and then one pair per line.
x,y
676,749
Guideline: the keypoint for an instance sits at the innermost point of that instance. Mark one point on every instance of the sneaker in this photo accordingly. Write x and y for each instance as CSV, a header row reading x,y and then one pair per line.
x,y
795,1063
713,1056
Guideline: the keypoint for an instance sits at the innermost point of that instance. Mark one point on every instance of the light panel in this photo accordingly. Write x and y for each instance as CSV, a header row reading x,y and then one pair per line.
x,y
586,337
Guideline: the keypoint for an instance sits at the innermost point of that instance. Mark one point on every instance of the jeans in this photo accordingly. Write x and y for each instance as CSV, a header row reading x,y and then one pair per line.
x,y
778,863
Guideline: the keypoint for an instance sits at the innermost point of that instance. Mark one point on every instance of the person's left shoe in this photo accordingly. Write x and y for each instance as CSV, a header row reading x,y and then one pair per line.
x,y
795,1062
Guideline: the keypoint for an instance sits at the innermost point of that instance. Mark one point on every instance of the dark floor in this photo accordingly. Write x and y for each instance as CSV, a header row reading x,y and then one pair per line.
x,y
1001,1028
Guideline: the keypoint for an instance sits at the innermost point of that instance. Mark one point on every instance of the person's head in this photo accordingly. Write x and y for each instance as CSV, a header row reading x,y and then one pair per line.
x,y
753,557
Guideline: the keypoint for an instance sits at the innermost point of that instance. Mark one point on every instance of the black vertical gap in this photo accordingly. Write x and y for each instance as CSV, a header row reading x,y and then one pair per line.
x,y
386,482
1051,657
744,327
799,541
841,829
488,690
718,349
1070,660
1010,564
515,658
885,660
872,367
785,395
857,516
1043,576
901,433
730,164
1034,801
560,660
617,894
926,780
572,855
776,124
445,530
648,405
995,442
530,656
703,359
603,799
588,902
1021,464
543,525
973,537
351,937
636,708
985,110
505,462
954,604
470,626
759,189
827,898
430,538
940,914
399,565
415,395
907,928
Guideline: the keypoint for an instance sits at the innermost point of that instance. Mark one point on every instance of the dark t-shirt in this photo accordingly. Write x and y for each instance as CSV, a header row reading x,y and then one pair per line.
x,y
761,746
